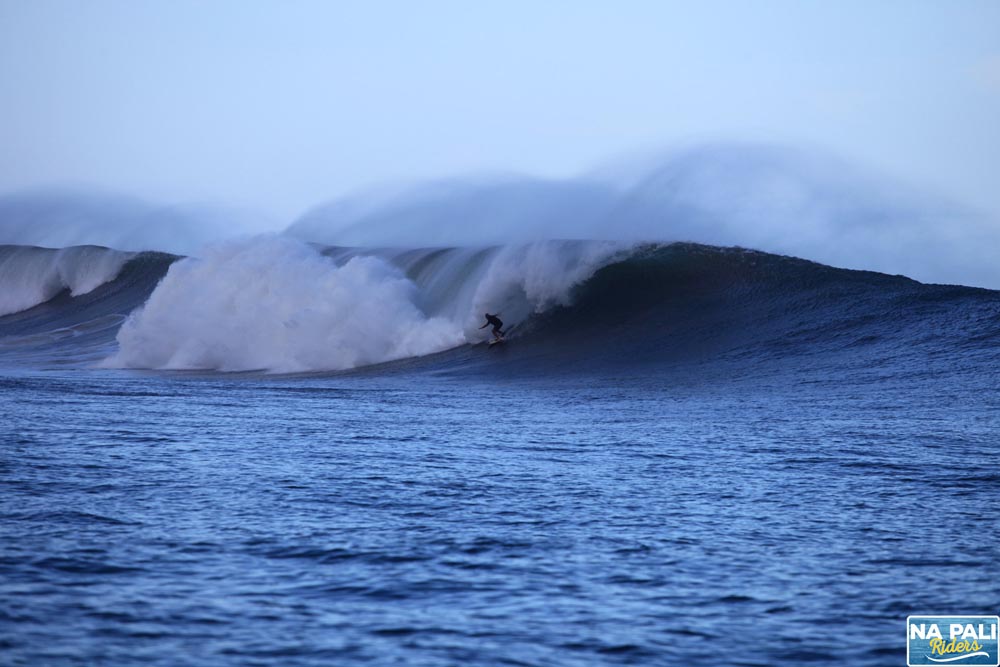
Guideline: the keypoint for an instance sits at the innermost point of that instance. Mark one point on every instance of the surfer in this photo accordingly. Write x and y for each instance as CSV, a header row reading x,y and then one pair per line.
x,y
497,325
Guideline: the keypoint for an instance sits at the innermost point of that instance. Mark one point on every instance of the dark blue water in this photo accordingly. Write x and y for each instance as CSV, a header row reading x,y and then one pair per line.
x,y
435,520
710,458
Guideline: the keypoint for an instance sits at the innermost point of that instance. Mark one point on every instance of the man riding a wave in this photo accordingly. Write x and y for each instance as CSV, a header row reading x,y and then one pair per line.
x,y
497,325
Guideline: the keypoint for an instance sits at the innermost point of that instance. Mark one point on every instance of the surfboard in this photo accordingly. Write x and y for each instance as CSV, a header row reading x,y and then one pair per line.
x,y
503,336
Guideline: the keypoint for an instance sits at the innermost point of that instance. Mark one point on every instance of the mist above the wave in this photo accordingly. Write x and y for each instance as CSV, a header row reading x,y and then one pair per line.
x,y
63,217
776,199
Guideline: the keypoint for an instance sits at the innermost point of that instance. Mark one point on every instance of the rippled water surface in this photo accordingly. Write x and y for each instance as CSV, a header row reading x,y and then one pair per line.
x,y
156,519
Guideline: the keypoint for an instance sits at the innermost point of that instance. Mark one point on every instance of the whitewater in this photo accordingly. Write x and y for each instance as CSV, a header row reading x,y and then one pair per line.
x,y
296,448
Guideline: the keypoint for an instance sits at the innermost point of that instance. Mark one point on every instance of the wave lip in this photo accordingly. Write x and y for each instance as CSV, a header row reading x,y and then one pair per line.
x,y
31,275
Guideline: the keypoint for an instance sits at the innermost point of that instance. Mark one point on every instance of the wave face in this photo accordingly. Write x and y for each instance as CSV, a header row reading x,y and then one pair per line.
x,y
31,275
280,305
688,303
80,329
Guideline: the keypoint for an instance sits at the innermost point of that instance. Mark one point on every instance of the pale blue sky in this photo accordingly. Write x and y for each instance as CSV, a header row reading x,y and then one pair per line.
x,y
278,106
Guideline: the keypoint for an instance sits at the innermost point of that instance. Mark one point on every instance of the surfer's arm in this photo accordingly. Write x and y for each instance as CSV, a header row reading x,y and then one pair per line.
x,y
485,325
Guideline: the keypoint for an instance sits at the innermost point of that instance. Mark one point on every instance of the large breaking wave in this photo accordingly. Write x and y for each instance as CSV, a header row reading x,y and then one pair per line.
x,y
280,305
377,278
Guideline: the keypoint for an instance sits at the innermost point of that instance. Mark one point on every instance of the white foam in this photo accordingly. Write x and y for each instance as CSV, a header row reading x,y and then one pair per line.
x,y
276,304
524,279
30,276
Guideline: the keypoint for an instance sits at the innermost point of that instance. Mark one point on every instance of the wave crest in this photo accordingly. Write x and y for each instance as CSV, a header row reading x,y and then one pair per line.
x,y
32,275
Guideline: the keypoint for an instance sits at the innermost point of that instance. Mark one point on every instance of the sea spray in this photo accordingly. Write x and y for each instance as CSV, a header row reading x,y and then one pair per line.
x,y
778,199
276,304
522,280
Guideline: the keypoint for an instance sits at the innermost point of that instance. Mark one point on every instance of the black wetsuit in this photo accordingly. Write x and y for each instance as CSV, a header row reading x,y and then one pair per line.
x,y
497,324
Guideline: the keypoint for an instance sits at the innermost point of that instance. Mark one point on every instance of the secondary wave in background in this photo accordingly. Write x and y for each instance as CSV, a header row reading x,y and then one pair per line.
x,y
78,327
59,218
30,276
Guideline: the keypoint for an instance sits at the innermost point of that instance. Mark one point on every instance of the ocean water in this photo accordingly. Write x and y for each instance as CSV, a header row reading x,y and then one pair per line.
x,y
684,455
